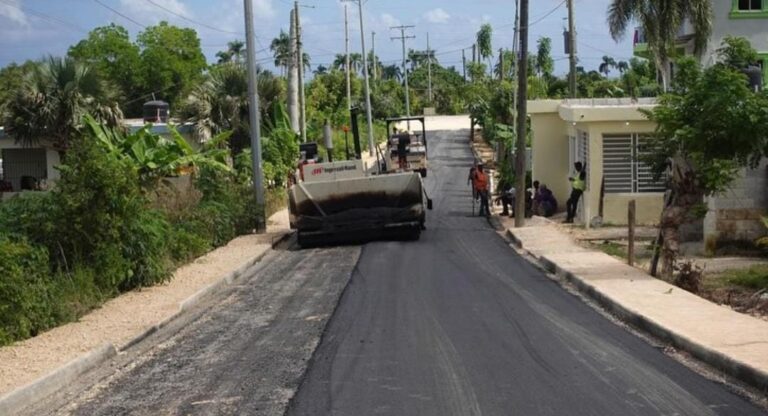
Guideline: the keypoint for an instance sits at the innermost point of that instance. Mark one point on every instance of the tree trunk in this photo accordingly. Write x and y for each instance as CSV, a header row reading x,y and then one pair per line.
x,y
685,196
666,75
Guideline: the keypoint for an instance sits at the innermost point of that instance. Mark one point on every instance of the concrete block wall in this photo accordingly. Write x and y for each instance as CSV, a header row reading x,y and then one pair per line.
x,y
735,214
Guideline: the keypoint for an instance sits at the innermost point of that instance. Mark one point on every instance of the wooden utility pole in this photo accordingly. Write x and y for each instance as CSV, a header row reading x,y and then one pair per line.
x,y
501,64
368,115
346,58
474,53
300,64
403,38
373,54
464,64
631,215
253,117
429,71
522,120
572,49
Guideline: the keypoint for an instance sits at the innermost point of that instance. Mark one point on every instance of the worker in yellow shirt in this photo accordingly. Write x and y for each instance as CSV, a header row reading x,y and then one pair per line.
x,y
578,185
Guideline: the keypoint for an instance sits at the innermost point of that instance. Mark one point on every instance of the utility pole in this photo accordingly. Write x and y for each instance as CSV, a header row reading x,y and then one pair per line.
x,y
368,116
403,38
373,54
522,119
346,59
293,79
501,64
253,117
572,49
464,64
300,64
429,71
474,53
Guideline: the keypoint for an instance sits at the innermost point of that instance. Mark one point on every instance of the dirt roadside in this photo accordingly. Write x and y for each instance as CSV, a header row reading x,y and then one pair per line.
x,y
125,317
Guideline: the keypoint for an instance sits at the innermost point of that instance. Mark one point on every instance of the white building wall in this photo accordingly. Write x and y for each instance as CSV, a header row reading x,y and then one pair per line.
x,y
755,30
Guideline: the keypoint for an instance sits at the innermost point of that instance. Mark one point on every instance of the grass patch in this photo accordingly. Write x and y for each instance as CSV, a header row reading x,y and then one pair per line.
x,y
612,248
755,277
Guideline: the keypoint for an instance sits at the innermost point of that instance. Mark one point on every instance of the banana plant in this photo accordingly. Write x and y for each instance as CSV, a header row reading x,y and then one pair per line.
x,y
156,157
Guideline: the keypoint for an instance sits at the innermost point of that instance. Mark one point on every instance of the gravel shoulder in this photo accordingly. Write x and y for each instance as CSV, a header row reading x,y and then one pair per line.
x,y
125,317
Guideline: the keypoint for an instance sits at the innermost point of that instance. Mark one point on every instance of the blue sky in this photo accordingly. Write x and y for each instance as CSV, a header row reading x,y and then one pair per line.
x,y
30,29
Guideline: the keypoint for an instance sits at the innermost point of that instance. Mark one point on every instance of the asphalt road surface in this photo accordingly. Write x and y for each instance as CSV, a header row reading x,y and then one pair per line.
x,y
243,354
459,324
453,324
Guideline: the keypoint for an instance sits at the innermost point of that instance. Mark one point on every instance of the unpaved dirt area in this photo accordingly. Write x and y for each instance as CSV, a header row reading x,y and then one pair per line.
x,y
123,318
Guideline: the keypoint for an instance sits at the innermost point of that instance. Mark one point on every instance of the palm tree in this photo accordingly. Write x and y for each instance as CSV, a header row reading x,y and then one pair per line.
x,y
321,70
220,103
484,47
355,62
622,66
236,49
661,19
281,50
509,61
53,99
606,65
392,72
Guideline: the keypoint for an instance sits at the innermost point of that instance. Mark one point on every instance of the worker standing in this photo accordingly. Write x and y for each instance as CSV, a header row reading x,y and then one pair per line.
x,y
480,182
578,185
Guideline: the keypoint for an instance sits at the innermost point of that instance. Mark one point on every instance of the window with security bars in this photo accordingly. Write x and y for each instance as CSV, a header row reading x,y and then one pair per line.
x,y
623,168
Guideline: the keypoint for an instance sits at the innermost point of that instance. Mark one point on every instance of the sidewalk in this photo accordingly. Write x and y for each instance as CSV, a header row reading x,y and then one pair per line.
x,y
126,318
732,342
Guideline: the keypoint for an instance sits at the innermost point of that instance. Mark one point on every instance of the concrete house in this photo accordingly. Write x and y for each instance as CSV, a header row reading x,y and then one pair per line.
x,y
34,168
742,18
608,134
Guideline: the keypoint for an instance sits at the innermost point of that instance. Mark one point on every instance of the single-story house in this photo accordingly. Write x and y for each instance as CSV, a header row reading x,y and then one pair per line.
x,y
608,135
34,168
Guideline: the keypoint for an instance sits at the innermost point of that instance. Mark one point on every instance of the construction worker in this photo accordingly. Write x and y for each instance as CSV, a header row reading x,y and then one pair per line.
x,y
471,179
578,185
480,182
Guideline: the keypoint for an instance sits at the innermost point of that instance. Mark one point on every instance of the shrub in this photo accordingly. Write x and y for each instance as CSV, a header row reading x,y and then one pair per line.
x,y
25,307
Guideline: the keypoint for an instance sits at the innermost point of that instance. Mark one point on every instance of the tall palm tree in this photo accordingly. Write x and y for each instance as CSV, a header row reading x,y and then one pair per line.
x,y
281,50
606,65
236,49
392,72
622,66
355,62
52,100
661,20
484,47
220,103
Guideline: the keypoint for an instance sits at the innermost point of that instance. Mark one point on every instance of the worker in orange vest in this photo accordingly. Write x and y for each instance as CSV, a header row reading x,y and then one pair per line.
x,y
480,182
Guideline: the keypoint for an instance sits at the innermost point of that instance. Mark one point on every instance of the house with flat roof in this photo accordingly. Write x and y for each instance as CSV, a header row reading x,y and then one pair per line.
x,y
608,136
34,168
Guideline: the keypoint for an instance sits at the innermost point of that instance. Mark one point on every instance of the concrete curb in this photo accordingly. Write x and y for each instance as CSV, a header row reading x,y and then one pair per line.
x,y
15,401
734,368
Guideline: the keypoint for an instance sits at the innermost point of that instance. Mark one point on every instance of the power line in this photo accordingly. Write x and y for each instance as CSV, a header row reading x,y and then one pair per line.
x,y
47,17
194,22
99,2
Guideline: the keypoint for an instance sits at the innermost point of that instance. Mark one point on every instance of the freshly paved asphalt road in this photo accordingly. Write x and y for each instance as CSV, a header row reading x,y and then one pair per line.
x,y
243,354
454,324
459,324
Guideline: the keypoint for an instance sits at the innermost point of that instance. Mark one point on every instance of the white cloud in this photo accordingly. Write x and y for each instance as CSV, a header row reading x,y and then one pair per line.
x,y
437,16
11,10
142,9
263,8
389,20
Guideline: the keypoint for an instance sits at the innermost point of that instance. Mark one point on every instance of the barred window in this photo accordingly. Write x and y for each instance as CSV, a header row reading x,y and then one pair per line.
x,y
623,168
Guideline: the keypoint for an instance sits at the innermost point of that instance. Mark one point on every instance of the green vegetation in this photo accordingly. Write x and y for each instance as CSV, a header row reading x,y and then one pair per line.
x,y
690,147
111,224
755,277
